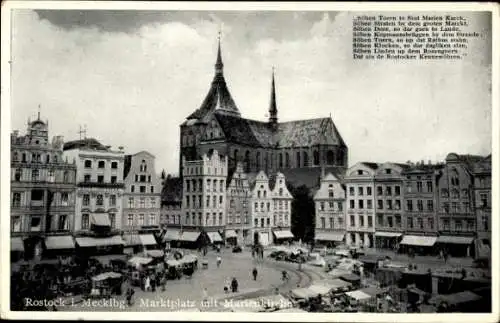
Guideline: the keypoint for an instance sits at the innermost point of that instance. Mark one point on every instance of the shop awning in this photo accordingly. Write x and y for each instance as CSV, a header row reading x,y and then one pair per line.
x,y
99,242
132,240
230,234
303,293
455,239
171,234
319,289
59,242
388,234
136,261
283,234
147,239
190,236
101,219
214,237
424,241
358,295
330,236
16,244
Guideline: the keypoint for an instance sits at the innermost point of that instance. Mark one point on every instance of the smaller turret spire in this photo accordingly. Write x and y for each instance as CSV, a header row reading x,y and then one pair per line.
x,y
273,110
39,107
218,64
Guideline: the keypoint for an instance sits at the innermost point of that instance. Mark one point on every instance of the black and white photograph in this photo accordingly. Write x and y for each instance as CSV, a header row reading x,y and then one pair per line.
x,y
213,159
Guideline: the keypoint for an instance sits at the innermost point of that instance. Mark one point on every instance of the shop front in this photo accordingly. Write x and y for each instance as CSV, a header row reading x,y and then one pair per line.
x,y
421,245
456,246
329,238
387,240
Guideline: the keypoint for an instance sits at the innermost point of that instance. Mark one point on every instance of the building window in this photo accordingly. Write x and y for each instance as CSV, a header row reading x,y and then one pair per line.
x,y
35,175
322,206
18,175
323,222
360,172
112,220
484,220
152,189
86,178
221,186
458,225
361,221
420,205
361,204
360,190
430,205
130,220
86,200
113,179
470,225
114,165
112,200
331,223
269,206
408,187
419,186
420,223
380,190
454,207
430,222
132,188
351,204
153,202
152,219
380,220
409,205
388,171
351,191
397,190
446,224
64,199
100,179
256,222
16,224
16,199
484,200
101,164
130,202
370,221
369,191
455,194
142,203
444,192
141,219
410,222
389,222
339,206
99,200
85,221
398,221
380,204
330,205
316,157
352,221
429,186
397,205
389,204
142,189
268,222
446,207
388,190
330,193
88,164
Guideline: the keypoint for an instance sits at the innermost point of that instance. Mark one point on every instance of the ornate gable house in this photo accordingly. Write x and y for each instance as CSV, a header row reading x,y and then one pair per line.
x,y
270,146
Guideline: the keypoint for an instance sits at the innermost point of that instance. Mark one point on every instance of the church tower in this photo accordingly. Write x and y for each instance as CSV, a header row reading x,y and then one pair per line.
x,y
273,110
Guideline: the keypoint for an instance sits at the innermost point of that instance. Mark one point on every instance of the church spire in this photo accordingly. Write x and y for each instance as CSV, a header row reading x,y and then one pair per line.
x,y
273,110
218,64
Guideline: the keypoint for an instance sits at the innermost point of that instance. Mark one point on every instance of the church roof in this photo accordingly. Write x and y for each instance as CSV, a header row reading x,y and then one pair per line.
x,y
310,176
172,190
301,133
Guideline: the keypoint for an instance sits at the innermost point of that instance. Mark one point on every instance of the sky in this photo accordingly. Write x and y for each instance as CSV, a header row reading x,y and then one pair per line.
x,y
132,77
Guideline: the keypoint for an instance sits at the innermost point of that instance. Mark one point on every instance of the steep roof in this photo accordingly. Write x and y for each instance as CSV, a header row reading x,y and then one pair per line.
x,y
89,143
172,190
300,133
310,176
483,166
370,165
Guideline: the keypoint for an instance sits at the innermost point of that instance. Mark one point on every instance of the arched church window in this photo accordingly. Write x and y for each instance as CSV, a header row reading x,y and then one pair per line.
x,y
280,160
247,161
298,159
330,158
316,157
340,157
235,155
287,160
257,160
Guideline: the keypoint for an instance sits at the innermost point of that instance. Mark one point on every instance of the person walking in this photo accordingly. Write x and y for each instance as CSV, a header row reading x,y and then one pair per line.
x,y
234,285
147,283
254,273
219,261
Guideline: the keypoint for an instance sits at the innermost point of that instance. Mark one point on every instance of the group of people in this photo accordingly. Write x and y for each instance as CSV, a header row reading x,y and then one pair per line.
x,y
150,281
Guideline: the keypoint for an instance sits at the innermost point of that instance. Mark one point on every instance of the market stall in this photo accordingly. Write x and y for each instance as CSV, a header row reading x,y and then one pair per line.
x,y
105,285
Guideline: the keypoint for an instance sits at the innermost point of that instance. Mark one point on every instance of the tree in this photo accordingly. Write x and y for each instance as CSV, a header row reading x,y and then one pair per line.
x,y
302,218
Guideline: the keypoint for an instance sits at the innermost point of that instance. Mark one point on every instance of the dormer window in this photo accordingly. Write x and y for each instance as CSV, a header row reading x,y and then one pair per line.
x,y
360,172
388,171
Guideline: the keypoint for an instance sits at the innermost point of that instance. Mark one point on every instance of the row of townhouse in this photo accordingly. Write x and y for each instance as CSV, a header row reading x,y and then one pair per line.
x,y
238,207
79,191
424,207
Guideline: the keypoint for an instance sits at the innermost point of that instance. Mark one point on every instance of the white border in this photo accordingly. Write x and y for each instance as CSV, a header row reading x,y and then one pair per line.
x,y
248,6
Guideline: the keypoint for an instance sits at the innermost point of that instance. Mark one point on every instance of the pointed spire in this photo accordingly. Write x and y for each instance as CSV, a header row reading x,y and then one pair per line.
x,y
39,107
218,64
273,110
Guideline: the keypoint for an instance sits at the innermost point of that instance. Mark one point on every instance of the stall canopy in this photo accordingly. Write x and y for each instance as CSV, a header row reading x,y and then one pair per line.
x,y
423,241
335,284
358,295
99,242
155,253
189,258
335,273
173,263
107,275
214,237
303,293
374,291
59,242
320,289
16,244
330,236
388,234
139,261
132,240
171,234
454,240
350,277
147,239
283,234
101,219
189,236
230,234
